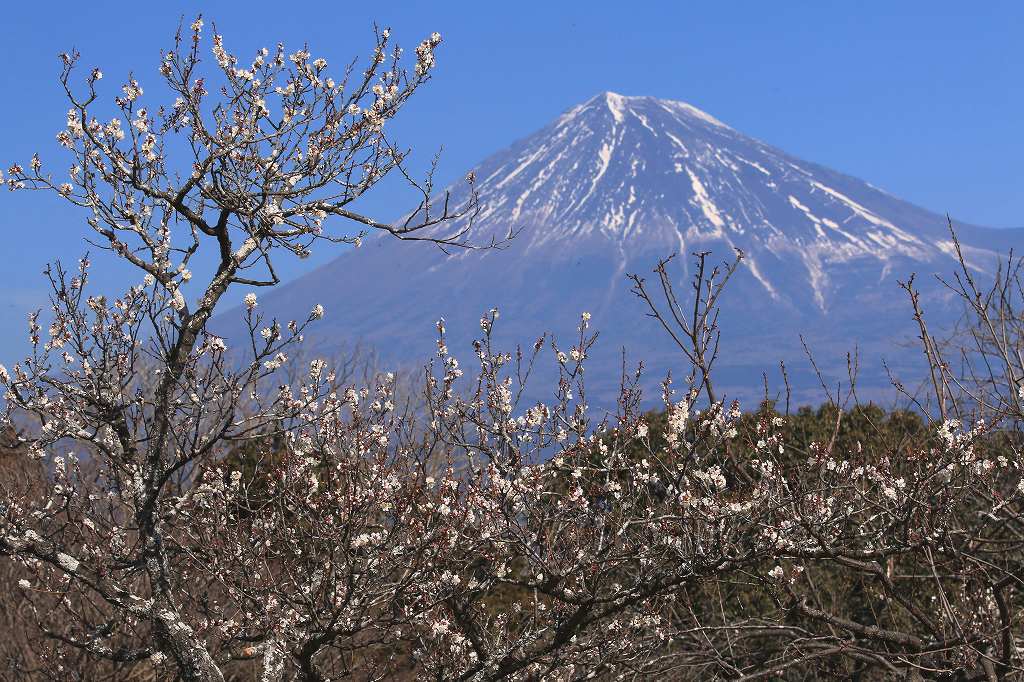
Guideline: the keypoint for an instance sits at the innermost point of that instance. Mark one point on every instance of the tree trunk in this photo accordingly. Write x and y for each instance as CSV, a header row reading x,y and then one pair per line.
x,y
194,662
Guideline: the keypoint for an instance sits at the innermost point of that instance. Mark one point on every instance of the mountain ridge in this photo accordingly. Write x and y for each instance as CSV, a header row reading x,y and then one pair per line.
x,y
616,183
710,222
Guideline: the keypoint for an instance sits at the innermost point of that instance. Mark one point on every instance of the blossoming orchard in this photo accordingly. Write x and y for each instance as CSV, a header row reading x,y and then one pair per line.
x,y
176,504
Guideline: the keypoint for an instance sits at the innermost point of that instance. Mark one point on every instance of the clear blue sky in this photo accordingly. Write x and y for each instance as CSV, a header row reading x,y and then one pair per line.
x,y
923,99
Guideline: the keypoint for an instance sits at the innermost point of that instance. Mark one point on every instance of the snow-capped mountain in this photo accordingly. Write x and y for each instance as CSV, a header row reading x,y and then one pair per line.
x,y
618,182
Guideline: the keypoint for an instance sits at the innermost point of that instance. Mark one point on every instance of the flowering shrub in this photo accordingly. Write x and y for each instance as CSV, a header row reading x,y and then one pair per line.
x,y
499,540
133,401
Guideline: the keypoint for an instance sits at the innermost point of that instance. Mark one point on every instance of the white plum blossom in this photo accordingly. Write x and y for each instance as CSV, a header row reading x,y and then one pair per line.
x,y
132,90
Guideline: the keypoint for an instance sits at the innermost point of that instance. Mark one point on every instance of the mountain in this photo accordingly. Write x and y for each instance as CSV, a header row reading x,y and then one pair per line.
x,y
618,182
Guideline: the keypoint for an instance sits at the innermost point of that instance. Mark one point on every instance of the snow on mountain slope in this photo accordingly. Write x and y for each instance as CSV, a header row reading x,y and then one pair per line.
x,y
626,170
618,182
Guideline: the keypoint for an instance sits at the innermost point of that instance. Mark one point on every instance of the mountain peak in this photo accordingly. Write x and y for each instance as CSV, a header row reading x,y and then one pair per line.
x,y
624,173
617,183
616,104
620,106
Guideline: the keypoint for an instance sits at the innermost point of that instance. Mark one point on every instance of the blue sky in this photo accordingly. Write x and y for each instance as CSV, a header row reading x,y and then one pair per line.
x,y
923,99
